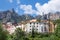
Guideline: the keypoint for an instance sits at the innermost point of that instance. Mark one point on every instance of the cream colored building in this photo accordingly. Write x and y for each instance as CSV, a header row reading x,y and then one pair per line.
x,y
40,27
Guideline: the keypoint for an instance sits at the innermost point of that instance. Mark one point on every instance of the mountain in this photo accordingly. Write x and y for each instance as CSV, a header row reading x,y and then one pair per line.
x,y
38,17
12,16
27,17
54,16
9,16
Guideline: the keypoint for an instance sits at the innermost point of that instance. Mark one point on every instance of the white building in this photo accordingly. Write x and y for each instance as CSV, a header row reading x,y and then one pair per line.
x,y
10,28
38,27
28,26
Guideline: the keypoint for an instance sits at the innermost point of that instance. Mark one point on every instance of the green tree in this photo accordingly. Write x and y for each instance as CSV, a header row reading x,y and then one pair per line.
x,y
18,35
57,31
56,21
3,33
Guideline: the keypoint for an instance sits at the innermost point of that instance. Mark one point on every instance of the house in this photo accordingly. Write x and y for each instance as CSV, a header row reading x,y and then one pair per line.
x,y
44,26
9,27
39,27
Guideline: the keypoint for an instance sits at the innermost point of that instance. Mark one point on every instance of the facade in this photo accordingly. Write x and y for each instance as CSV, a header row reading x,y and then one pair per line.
x,y
10,27
40,27
37,26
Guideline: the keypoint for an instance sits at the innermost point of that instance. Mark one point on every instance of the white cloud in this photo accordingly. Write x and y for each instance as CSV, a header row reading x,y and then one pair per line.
x,y
10,1
27,9
51,6
18,1
16,10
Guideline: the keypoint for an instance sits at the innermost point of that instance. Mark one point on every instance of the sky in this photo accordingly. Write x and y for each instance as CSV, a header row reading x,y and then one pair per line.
x,y
33,7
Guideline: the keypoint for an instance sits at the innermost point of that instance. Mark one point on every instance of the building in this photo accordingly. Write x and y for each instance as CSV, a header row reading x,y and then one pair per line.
x,y
10,27
40,27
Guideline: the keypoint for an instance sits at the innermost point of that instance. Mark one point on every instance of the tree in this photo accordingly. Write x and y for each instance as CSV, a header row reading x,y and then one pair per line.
x,y
56,21
57,31
18,35
3,33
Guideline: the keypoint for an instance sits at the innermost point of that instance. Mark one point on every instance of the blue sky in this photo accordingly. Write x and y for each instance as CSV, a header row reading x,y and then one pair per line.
x,y
6,4
33,2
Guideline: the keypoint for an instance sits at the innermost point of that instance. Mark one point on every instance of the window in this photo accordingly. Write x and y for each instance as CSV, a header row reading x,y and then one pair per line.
x,y
30,23
37,26
42,29
30,32
37,29
30,29
45,29
30,26
34,23
34,26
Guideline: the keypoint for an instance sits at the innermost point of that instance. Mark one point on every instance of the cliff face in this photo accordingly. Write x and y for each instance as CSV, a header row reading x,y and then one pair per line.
x,y
9,15
12,16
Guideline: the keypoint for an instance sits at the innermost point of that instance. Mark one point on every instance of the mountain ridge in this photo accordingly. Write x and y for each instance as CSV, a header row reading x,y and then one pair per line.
x,y
12,16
